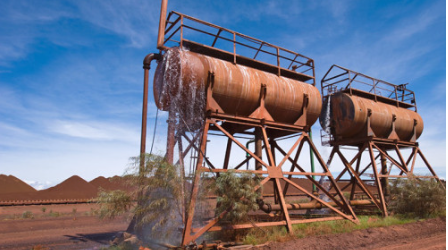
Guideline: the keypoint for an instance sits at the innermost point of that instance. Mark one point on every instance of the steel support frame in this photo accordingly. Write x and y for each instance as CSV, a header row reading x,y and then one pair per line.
x,y
380,175
270,172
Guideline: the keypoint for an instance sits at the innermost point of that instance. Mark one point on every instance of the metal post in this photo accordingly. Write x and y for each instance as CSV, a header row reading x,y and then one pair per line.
x,y
144,120
384,180
258,148
162,23
146,67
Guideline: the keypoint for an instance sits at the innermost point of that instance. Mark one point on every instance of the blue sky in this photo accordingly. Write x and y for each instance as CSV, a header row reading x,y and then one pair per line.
x,y
71,71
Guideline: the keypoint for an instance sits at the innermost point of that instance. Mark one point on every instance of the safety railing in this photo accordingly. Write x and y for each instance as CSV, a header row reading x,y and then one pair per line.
x,y
206,38
339,79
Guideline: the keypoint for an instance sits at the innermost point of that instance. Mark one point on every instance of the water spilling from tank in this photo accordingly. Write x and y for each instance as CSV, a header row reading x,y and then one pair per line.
x,y
325,183
185,99
183,96
327,118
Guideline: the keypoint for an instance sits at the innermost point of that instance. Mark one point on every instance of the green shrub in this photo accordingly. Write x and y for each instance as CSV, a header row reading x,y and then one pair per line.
x,y
113,203
156,203
27,215
414,197
54,214
235,191
43,209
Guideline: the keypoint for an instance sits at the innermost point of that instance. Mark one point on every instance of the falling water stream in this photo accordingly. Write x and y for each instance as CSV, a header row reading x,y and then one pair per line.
x,y
323,181
184,97
327,119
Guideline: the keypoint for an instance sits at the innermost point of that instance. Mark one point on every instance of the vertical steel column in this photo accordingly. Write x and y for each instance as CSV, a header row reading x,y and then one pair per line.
x,y
146,67
384,180
353,179
377,180
162,24
227,156
144,120
258,147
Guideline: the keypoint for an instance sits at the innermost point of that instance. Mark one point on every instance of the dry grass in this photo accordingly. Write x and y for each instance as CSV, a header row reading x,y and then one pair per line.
x,y
279,234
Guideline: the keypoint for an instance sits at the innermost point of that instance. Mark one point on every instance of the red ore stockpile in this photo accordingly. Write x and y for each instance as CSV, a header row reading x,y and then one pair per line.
x,y
73,188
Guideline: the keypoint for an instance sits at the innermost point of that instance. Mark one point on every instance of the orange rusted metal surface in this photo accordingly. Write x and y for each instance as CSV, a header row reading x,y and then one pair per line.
x,y
349,115
243,89
375,117
237,89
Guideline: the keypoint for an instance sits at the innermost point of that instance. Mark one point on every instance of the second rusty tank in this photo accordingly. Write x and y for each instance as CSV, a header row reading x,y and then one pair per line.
x,y
346,116
181,78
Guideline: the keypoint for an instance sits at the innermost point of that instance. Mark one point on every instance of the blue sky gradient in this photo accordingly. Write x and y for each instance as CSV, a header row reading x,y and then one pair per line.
x,y
71,71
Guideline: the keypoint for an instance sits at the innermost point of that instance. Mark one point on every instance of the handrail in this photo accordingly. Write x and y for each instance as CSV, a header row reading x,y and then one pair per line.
x,y
180,28
358,83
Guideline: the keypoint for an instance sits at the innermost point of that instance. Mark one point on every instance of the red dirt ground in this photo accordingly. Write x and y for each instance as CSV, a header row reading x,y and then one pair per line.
x,y
74,226
68,230
88,232
428,234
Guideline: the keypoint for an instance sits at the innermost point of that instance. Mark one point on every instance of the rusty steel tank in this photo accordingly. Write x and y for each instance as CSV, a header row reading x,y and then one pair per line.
x,y
181,78
345,116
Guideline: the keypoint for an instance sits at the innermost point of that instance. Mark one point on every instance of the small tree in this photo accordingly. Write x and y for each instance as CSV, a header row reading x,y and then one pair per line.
x,y
235,192
113,203
155,200
416,197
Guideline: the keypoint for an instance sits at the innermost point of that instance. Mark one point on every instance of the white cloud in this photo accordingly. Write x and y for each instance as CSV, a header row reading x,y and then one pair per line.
x,y
94,130
412,25
132,19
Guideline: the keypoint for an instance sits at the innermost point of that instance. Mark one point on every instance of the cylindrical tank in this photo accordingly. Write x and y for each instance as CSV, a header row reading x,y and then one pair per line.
x,y
181,77
346,116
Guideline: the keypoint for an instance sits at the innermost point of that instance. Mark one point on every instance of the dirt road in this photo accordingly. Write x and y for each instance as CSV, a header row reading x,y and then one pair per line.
x,y
56,227
88,232
58,233
435,242
428,234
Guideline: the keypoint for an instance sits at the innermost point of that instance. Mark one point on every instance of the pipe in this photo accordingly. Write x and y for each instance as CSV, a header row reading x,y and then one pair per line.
x,y
162,23
146,66
267,208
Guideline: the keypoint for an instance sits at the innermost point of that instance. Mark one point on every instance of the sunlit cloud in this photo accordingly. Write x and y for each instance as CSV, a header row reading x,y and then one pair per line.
x,y
94,130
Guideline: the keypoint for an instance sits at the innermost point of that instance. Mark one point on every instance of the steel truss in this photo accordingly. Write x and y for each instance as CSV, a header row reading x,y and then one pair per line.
x,y
378,149
270,170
